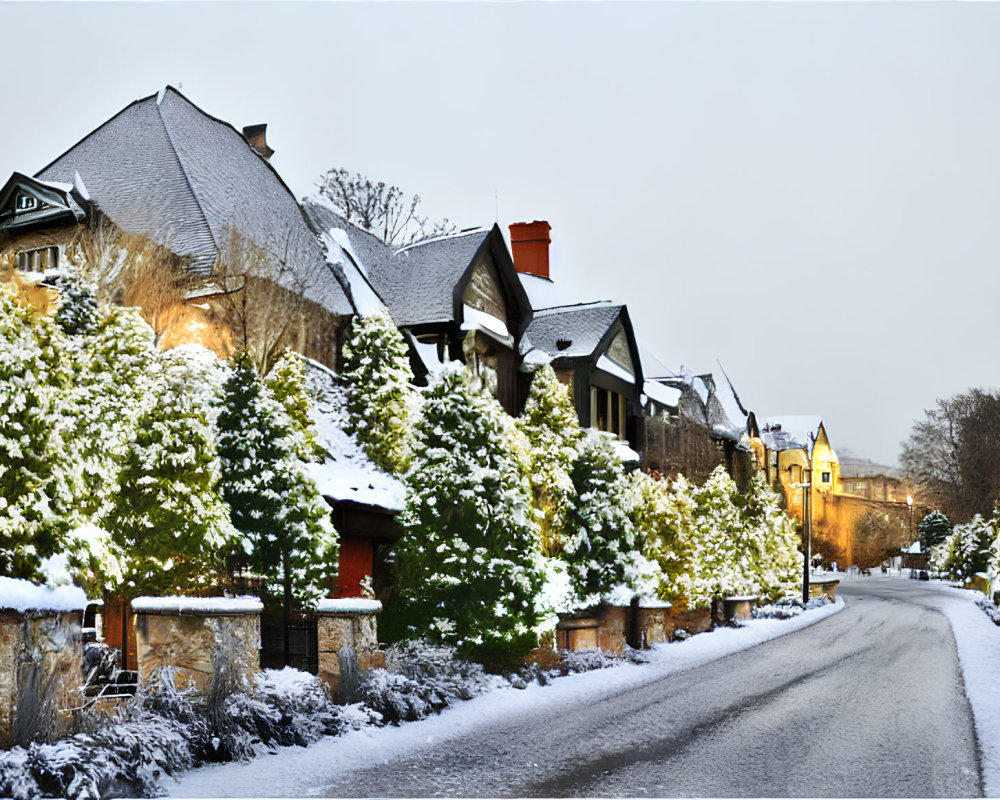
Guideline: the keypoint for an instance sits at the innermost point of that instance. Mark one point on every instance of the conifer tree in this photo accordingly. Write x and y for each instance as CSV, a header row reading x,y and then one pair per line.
x,y
283,520
934,528
77,313
467,561
33,486
601,539
377,367
553,433
777,561
287,383
168,526
663,515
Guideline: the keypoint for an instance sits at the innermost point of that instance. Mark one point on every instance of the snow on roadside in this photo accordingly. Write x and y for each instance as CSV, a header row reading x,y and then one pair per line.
x,y
299,772
977,638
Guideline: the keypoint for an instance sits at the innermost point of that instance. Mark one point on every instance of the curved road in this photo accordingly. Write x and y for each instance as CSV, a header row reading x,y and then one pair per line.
x,y
868,702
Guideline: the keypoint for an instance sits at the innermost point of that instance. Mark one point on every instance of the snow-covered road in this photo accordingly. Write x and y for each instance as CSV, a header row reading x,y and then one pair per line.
x,y
868,703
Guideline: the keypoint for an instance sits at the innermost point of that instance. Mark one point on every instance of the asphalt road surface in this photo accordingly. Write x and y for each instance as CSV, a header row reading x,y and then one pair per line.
x,y
868,702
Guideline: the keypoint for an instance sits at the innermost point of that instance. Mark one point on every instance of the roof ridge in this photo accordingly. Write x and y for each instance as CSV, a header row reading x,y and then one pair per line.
x,y
444,238
577,307
180,163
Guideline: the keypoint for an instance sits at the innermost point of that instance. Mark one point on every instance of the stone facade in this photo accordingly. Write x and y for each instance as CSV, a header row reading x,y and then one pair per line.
x,y
211,652
347,642
40,678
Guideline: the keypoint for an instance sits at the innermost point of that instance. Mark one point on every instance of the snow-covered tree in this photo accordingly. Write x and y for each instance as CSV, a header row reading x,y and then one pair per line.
x,y
934,528
33,489
287,383
467,562
77,312
600,541
377,367
168,526
663,516
968,549
777,565
284,521
553,435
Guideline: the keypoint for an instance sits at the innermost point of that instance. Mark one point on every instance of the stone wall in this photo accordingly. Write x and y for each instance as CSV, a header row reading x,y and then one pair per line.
x,y
212,645
610,628
40,677
347,636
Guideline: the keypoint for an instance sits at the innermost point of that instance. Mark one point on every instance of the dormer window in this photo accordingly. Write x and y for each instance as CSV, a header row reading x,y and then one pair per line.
x,y
25,202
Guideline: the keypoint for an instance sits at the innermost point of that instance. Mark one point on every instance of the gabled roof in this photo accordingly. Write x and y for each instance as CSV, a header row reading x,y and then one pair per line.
x,y
165,169
421,284
572,331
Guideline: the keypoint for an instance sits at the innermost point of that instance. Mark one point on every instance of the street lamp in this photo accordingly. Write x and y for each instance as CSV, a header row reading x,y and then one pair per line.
x,y
909,508
806,531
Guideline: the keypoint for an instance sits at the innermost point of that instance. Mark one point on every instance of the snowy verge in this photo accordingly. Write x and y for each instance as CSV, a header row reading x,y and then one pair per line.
x,y
976,637
298,772
24,596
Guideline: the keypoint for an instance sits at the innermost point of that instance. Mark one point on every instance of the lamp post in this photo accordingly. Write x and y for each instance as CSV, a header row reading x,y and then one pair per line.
x,y
909,509
806,487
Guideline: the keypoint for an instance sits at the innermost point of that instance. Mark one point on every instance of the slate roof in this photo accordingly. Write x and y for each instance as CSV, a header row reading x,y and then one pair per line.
x,y
581,327
419,284
416,283
790,432
165,169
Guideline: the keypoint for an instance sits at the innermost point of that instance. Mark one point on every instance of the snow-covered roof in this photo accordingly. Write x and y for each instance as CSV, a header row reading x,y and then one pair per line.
x,y
215,606
347,473
795,432
348,605
664,395
572,331
21,596
169,171
914,548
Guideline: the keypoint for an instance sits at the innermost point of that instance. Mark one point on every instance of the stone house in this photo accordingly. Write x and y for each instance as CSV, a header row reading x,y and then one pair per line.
x,y
172,210
847,528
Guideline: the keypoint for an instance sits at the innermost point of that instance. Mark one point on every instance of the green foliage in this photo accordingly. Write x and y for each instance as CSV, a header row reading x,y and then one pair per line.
x,y
934,528
712,541
467,560
77,313
553,434
287,383
601,537
277,509
34,496
969,548
168,526
377,367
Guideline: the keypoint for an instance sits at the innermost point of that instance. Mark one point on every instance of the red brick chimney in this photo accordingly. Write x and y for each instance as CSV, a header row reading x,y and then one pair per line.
x,y
529,243
257,136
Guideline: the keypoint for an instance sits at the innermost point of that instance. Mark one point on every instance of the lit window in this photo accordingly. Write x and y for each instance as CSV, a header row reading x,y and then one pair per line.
x,y
40,259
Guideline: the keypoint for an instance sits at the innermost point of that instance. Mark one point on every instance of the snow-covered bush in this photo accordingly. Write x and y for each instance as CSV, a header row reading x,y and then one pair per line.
x,y
287,383
467,571
934,528
377,367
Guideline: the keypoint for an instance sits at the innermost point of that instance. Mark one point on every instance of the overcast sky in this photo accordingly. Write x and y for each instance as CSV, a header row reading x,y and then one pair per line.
x,y
806,193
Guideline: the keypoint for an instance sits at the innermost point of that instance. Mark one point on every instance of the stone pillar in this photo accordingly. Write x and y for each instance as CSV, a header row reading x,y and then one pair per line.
x,y
212,643
347,637
41,661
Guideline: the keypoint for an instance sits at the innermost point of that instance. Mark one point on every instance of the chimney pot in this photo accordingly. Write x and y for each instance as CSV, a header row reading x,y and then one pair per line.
x,y
257,136
529,244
